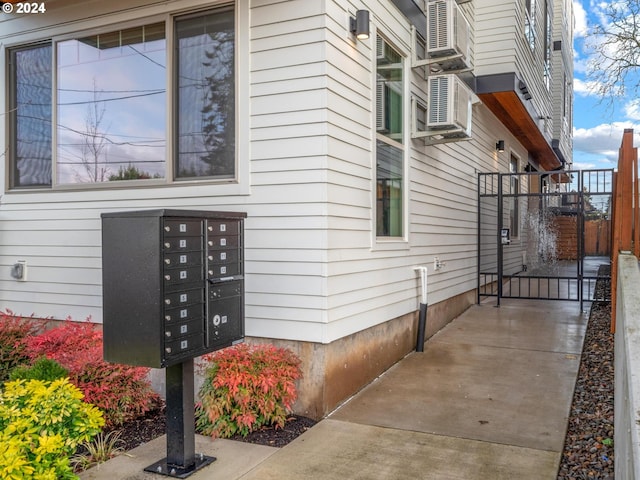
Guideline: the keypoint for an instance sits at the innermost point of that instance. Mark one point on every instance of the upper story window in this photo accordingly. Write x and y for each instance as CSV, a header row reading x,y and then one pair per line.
x,y
548,45
530,22
94,109
389,140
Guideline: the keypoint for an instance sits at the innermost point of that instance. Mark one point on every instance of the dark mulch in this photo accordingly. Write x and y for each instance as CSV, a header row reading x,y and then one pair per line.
x,y
588,450
153,424
137,432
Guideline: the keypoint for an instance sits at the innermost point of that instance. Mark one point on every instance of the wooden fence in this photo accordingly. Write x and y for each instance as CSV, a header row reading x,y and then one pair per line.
x,y
625,231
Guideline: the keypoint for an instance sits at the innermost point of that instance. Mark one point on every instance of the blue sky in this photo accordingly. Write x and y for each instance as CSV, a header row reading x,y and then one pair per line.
x,y
597,126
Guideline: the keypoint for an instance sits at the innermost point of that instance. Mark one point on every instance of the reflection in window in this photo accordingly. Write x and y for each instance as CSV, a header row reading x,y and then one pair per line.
x,y
389,148
389,190
30,116
206,96
111,106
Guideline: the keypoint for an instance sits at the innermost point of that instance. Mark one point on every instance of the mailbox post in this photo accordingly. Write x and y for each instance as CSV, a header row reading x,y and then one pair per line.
x,y
173,289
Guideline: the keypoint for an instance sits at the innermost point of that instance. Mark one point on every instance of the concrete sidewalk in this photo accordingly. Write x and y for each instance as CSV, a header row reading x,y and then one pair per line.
x,y
488,398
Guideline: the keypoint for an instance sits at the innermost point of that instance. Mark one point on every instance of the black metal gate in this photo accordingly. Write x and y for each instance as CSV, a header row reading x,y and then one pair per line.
x,y
543,235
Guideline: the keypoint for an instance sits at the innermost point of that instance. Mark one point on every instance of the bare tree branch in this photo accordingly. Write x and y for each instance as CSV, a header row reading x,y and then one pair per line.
x,y
615,49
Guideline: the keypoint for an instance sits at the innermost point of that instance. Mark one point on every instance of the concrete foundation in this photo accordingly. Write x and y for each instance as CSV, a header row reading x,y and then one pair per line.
x,y
334,372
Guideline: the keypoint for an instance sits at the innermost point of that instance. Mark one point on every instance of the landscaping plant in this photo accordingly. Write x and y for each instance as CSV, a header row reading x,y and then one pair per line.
x,y
103,447
14,332
246,387
43,369
41,425
123,392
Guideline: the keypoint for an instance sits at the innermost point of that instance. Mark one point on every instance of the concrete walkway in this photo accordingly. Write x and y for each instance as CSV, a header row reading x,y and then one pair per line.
x,y
488,398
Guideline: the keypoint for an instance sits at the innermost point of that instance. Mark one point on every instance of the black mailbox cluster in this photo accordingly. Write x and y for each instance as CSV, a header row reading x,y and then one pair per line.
x,y
173,285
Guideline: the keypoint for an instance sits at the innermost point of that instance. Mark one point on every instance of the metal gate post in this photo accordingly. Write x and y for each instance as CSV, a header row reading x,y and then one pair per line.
x,y
581,240
499,238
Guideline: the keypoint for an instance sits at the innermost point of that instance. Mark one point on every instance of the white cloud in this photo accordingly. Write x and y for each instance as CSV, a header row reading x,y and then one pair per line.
x,y
585,88
632,109
580,15
584,166
603,140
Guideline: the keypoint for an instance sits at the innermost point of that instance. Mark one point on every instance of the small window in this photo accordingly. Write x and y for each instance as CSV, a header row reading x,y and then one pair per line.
x,y
514,189
389,146
530,23
30,112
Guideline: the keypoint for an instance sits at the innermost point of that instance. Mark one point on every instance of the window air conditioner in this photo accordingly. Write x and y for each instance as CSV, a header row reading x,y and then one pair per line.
x,y
448,35
449,107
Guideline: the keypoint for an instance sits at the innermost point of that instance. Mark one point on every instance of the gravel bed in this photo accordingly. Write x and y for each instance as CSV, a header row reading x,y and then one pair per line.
x,y
588,450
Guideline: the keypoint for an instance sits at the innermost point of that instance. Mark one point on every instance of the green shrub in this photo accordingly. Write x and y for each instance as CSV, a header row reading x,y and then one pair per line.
x,y
14,332
41,424
245,388
43,369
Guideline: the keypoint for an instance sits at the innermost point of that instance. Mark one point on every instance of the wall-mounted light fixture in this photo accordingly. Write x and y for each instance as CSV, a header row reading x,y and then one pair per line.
x,y
500,146
359,25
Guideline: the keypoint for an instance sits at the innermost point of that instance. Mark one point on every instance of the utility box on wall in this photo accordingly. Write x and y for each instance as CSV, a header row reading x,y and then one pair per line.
x,y
173,285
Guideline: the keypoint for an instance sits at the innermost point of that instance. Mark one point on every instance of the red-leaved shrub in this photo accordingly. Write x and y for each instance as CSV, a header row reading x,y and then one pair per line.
x,y
246,387
14,332
121,391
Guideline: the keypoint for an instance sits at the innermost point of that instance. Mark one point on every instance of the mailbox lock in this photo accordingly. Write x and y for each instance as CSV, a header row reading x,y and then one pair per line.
x,y
168,334
167,261
167,301
167,245
167,228
168,349
167,277
216,320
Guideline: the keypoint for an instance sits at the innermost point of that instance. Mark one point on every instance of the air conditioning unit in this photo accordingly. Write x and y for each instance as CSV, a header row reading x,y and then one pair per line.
x,y
449,107
448,36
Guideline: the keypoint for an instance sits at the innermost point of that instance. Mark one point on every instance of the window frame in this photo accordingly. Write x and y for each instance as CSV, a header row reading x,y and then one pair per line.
x,y
11,129
381,242
514,189
238,185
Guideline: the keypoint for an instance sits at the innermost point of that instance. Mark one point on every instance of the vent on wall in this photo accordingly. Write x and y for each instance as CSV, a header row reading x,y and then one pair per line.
x,y
448,37
449,103
448,113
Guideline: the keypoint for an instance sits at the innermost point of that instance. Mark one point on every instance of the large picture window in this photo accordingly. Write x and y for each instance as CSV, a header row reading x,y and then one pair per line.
x,y
389,144
94,109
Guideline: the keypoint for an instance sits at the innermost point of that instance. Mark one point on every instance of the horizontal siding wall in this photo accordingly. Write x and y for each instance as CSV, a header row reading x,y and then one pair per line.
x,y
495,29
313,269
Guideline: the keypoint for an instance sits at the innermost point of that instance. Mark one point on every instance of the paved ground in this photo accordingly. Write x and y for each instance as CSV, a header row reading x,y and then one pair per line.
x,y
488,398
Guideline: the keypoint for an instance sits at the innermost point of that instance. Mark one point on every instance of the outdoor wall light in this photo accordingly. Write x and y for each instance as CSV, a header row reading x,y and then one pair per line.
x,y
500,146
359,25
